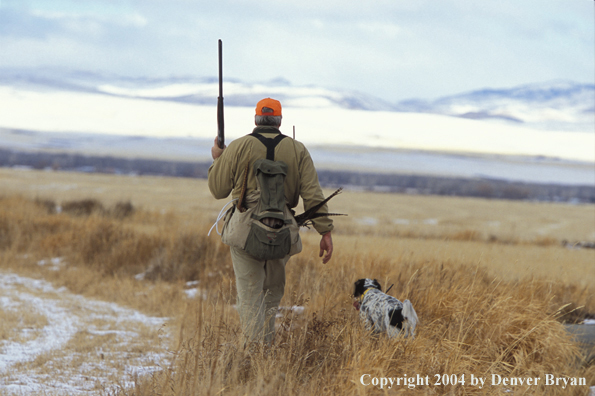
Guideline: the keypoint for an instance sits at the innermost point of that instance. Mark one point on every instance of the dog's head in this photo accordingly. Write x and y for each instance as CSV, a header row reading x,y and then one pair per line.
x,y
361,285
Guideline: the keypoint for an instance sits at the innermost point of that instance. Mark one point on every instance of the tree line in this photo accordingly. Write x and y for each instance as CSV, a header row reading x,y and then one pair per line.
x,y
390,183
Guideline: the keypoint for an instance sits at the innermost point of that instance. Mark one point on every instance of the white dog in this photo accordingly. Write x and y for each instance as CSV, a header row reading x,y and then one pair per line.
x,y
383,313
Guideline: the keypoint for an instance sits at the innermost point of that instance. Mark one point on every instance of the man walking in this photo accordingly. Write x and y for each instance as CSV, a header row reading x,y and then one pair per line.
x,y
261,282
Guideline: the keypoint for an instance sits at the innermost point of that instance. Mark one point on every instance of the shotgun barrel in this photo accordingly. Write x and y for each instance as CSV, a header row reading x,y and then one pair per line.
x,y
220,122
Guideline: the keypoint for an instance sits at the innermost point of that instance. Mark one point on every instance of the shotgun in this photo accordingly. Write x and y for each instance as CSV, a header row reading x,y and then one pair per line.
x,y
220,122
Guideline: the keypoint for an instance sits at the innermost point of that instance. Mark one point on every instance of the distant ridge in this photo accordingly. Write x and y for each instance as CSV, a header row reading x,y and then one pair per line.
x,y
561,105
557,105
196,90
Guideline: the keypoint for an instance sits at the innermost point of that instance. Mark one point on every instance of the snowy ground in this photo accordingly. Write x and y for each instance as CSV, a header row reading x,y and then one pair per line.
x,y
85,347
378,141
78,112
346,158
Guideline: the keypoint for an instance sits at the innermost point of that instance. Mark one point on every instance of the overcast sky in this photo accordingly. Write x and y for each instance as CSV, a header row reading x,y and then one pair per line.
x,y
393,49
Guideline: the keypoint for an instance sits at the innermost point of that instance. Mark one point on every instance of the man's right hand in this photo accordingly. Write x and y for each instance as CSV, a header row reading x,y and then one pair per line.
x,y
326,245
216,151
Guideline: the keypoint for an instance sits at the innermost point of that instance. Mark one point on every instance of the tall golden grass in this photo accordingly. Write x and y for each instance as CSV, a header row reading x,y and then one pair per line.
x,y
487,305
469,324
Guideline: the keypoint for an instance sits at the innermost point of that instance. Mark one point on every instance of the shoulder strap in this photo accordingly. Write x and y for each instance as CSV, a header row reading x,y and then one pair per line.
x,y
270,144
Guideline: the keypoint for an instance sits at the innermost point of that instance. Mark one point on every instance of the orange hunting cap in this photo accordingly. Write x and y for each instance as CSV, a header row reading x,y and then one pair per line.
x,y
273,104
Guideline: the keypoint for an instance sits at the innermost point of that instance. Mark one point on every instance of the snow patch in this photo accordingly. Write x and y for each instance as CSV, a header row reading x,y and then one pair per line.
x,y
69,315
297,309
54,264
367,221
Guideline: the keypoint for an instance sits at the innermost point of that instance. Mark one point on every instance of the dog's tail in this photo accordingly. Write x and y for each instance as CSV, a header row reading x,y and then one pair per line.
x,y
410,316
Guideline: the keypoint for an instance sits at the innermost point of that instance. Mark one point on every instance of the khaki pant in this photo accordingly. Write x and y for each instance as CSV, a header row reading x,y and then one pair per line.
x,y
260,287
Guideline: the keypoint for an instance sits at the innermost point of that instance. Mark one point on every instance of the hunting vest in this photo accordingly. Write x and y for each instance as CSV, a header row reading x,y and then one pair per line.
x,y
267,230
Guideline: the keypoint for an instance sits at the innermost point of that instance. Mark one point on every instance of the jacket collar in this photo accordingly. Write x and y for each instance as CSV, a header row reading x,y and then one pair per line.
x,y
266,129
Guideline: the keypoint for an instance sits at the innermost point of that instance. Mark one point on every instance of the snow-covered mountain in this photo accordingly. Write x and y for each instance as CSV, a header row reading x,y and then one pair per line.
x,y
193,90
558,105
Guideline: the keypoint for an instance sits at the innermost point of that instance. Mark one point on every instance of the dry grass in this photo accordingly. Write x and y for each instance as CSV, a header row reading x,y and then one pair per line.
x,y
489,279
369,213
13,320
470,323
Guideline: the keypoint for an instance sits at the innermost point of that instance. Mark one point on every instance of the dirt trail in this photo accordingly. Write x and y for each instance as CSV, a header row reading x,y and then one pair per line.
x,y
79,346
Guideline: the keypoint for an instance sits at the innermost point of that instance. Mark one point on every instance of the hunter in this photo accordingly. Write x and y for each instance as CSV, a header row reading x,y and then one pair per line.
x,y
263,234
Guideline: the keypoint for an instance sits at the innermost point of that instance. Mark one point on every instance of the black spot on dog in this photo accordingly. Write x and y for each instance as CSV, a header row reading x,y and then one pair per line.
x,y
396,318
359,288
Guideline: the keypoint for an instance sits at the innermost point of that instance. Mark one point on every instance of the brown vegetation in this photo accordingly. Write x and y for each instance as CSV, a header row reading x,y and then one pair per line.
x,y
491,300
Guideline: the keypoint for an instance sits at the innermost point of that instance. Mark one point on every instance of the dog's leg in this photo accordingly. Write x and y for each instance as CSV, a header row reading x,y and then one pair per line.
x,y
410,318
368,324
407,329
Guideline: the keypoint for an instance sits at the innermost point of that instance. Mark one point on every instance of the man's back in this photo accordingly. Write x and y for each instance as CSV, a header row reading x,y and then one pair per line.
x,y
226,174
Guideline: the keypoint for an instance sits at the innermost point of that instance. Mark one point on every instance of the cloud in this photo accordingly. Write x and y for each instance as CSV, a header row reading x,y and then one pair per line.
x,y
133,19
382,30
392,49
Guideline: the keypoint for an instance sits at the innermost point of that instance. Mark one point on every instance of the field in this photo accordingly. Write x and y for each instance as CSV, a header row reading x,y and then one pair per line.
x,y
492,282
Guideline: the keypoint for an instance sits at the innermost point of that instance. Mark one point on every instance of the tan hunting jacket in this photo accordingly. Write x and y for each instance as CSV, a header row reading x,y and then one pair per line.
x,y
227,172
